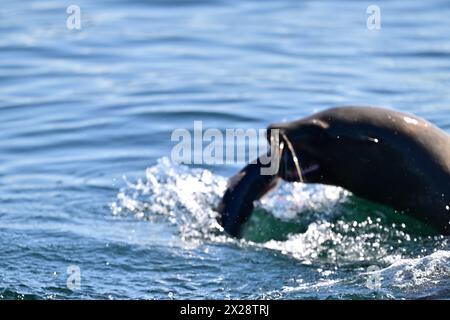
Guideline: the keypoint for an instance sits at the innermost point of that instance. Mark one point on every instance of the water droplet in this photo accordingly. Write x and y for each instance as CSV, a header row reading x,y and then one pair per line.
x,y
447,208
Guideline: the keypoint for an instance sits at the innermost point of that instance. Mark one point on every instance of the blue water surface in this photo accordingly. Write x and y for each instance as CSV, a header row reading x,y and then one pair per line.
x,y
81,109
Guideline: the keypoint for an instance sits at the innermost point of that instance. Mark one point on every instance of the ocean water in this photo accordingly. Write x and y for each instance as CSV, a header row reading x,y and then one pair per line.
x,y
92,207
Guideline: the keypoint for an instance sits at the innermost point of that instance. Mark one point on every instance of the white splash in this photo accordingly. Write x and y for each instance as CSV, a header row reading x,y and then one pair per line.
x,y
413,274
187,197
290,199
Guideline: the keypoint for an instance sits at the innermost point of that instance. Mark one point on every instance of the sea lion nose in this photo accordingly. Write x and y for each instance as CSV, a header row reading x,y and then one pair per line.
x,y
275,132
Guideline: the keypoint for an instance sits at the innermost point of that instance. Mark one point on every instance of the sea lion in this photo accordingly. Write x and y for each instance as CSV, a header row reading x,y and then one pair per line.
x,y
390,157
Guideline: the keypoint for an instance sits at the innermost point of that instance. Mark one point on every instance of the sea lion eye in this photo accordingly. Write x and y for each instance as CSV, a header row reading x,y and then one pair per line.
x,y
367,138
374,140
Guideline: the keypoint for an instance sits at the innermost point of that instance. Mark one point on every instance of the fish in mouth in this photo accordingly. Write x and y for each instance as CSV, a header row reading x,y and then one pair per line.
x,y
250,184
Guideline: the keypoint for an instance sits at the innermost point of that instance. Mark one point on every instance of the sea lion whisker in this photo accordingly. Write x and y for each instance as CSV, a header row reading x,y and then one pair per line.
x,y
294,156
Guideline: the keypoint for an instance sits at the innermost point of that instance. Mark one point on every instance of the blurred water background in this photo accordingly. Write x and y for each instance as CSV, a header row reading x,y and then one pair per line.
x,y
82,109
